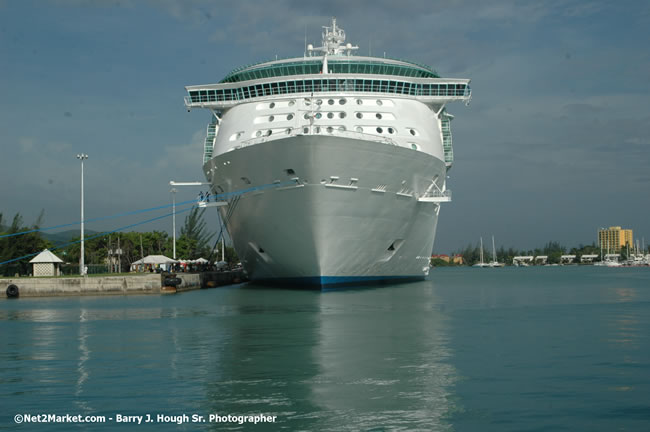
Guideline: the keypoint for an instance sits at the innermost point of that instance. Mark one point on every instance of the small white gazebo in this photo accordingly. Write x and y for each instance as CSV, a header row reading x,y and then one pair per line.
x,y
46,264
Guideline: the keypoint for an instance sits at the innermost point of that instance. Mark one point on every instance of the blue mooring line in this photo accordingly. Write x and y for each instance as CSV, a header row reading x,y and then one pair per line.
x,y
222,196
209,197
97,235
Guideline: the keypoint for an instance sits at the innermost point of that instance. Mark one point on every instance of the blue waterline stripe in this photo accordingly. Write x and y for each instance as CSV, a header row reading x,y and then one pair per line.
x,y
325,281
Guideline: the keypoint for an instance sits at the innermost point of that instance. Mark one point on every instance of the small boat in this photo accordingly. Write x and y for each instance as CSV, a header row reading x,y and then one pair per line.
x,y
494,262
482,263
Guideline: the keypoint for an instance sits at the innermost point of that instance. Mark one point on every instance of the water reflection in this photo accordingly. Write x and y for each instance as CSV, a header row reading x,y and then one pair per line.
x,y
84,357
264,358
384,359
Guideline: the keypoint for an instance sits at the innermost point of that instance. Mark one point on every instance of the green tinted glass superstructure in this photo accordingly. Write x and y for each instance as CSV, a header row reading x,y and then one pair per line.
x,y
329,85
307,67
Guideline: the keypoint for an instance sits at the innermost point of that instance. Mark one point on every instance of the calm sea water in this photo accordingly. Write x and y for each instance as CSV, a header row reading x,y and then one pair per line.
x,y
513,349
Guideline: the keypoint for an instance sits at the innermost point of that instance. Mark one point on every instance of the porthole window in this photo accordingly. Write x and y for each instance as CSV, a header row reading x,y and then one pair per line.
x,y
272,105
342,115
271,118
342,101
414,146
292,102
341,128
258,133
290,116
379,102
306,116
319,101
319,115
331,101
359,129
391,130
380,130
330,129
378,115
359,115
269,132
305,130
412,131
317,130
330,115
359,102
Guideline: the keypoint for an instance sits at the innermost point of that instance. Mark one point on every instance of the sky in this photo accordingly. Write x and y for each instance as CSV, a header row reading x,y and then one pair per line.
x,y
554,144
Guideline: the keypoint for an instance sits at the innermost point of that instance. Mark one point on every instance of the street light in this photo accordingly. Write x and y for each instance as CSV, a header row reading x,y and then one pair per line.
x,y
82,265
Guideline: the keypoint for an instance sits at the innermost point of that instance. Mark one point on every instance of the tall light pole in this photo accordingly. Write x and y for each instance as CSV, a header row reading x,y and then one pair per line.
x,y
82,264
173,191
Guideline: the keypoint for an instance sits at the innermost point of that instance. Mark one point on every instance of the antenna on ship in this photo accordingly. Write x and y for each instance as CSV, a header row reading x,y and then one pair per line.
x,y
333,39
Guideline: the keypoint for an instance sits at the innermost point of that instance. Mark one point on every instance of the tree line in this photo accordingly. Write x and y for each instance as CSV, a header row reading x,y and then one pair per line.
x,y
194,241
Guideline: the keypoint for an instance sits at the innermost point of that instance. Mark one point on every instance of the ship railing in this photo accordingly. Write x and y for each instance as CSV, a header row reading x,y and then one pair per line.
x,y
436,196
236,96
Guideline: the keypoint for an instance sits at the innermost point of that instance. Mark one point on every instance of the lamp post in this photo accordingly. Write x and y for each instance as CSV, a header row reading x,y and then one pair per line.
x,y
82,265
173,191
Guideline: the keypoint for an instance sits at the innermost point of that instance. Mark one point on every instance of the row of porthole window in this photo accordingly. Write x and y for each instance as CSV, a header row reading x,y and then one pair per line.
x,y
288,131
341,101
330,115
329,129
289,117
379,130
342,115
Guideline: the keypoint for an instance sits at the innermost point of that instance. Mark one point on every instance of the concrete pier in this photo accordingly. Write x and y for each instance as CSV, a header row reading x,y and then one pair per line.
x,y
147,283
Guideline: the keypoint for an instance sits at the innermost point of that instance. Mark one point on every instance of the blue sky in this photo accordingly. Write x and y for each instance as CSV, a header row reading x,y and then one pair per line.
x,y
555,144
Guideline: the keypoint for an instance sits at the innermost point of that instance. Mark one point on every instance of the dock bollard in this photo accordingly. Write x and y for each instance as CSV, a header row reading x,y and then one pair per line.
x,y
12,291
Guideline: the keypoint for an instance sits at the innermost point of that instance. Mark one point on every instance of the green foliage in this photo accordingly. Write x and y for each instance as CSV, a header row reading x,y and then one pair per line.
x,y
18,246
194,241
439,262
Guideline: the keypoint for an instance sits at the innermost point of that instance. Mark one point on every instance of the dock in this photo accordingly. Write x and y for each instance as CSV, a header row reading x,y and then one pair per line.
x,y
145,283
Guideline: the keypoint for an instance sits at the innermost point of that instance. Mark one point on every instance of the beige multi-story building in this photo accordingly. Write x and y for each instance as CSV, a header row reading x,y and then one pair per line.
x,y
614,238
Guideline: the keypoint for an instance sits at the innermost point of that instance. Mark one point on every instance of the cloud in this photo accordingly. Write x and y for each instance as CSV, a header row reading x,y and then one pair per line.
x,y
26,144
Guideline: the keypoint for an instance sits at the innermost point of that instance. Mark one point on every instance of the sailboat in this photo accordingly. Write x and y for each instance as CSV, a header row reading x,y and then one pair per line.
x,y
494,262
482,263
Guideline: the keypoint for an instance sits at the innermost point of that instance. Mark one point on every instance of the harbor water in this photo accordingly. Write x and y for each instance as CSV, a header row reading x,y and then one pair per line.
x,y
512,349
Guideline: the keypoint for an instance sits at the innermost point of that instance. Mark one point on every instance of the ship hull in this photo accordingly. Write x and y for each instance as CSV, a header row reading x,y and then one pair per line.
x,y
338,211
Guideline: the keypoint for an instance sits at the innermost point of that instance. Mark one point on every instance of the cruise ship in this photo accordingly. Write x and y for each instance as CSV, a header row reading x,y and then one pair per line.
x,y
334,164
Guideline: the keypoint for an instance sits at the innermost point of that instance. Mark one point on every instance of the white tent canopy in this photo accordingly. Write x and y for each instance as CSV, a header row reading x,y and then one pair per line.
x,y
196,261
154,259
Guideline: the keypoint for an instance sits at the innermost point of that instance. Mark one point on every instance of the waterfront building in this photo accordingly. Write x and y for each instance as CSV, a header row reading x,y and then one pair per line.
x,y
614,238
